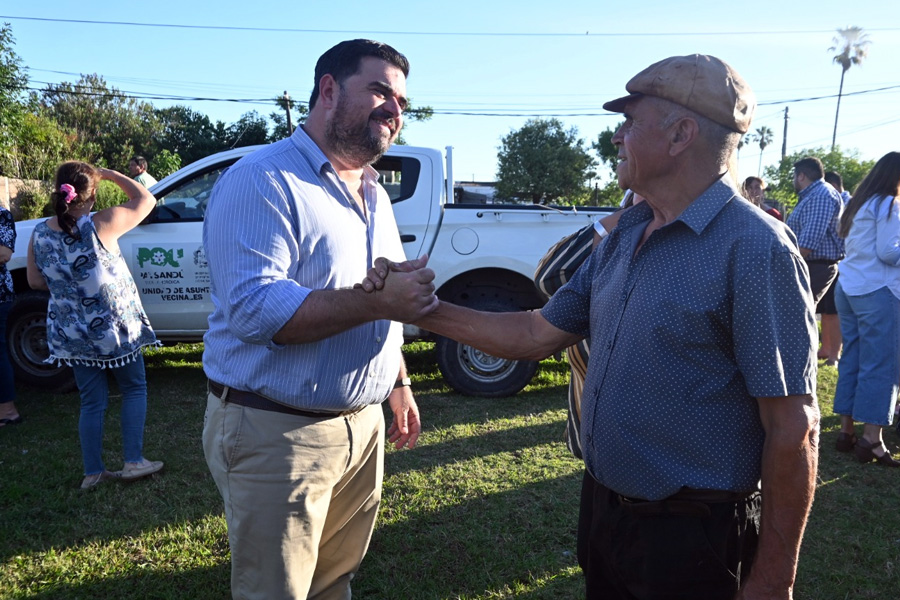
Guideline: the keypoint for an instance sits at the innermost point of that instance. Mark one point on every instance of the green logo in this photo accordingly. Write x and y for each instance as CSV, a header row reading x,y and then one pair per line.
x,y
159,257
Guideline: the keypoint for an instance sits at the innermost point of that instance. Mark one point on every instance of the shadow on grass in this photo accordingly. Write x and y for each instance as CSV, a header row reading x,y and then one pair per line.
x,y
852,541
523,535
445,409
429,455
209,583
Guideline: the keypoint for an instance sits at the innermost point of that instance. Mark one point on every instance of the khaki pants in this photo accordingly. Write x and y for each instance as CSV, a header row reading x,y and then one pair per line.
x,y
301,497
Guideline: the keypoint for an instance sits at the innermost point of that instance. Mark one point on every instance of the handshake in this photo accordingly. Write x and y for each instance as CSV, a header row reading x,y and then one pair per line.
x,y
404,291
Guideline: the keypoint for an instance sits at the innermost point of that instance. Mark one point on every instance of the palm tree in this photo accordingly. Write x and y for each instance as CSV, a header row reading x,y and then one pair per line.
x,y
853,45
764,136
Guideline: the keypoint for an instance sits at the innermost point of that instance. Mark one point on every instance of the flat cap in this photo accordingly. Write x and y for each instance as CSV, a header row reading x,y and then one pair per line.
x,y
704,84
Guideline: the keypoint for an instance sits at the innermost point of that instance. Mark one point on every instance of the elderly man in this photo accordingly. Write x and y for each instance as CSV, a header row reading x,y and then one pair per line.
x,y
298,361
702,370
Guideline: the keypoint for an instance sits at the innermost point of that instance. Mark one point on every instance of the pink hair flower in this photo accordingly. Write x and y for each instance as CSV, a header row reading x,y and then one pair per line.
x,y
69,191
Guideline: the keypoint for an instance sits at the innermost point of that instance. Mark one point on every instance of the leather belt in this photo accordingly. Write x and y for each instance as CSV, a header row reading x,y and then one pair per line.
x,y
251,400
687,502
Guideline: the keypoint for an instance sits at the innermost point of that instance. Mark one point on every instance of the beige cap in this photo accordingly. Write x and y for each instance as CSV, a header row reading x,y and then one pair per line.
x,y
704,84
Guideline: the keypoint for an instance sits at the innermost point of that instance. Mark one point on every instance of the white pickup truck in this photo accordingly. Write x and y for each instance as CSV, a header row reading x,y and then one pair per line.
x,y
483,255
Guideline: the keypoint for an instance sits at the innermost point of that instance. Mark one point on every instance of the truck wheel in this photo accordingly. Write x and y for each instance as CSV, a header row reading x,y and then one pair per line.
x,y
26,337
472,372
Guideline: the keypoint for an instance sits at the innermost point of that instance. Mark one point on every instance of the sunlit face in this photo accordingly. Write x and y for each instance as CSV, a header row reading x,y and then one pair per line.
x,y
755,191
642,144
368,114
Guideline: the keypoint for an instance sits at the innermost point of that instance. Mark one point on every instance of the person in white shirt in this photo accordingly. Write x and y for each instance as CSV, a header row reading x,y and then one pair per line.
x,y
868,303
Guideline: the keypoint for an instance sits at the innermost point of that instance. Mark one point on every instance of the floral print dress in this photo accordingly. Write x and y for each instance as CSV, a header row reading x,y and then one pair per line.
x,y
8,239
95,317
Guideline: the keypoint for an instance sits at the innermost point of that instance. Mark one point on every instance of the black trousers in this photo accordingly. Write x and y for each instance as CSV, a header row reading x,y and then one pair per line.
x,y
667,550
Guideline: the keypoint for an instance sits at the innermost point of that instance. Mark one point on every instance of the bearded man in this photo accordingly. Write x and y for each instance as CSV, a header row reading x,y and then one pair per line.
x,y
298,361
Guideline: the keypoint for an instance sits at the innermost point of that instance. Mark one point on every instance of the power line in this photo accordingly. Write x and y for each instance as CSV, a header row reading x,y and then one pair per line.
x,y
435,33
499,112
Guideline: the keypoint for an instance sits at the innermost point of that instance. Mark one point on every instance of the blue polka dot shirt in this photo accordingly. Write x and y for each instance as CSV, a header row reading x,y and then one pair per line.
x,y
714,311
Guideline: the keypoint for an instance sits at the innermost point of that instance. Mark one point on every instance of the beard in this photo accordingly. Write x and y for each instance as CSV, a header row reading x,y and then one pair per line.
x,y
356,142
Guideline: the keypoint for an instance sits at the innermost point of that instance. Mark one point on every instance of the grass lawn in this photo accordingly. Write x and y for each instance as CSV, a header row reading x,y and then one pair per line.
x,y
484,508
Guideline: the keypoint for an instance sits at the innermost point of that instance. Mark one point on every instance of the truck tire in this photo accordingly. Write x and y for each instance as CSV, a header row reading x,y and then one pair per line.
x,y
26,337
472,372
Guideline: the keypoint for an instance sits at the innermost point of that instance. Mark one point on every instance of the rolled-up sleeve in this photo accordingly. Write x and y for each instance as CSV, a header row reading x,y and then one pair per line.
x,y
252,253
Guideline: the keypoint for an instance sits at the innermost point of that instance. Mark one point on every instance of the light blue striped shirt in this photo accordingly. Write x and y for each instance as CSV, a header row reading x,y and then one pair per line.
x,y
280,224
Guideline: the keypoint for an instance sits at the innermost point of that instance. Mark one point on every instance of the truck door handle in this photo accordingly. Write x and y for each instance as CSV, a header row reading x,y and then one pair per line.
x,y
407,237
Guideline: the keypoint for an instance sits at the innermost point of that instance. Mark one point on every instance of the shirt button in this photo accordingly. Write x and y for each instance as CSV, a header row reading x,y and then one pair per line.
x,y
378,339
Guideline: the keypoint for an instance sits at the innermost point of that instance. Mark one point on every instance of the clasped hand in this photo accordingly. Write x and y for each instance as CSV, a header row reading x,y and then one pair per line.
x,y
408,294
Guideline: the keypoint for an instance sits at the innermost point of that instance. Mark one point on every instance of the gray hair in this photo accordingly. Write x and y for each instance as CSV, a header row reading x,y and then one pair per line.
x,y
721,141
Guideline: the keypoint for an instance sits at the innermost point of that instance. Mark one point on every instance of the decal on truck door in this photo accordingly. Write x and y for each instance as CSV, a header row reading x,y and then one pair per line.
x,y
167,273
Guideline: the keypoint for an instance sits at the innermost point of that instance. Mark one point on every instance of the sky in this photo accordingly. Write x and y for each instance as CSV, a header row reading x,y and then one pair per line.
x,y
484,67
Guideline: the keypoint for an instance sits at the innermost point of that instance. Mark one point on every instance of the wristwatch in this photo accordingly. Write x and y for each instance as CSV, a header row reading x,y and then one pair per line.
x,y
403,382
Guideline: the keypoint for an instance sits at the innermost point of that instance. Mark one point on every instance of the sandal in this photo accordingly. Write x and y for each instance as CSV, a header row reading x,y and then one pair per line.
x,y
845,442
864,453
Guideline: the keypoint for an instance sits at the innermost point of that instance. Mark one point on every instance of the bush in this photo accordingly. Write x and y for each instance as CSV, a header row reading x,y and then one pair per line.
x,y
33,201
164,163
109,194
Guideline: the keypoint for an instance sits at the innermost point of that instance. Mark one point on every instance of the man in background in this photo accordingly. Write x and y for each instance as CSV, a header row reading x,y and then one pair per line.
x,y
815,221
830,349
137,168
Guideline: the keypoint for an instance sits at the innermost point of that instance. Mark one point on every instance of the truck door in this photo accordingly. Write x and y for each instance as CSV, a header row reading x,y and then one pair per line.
x,y
408,179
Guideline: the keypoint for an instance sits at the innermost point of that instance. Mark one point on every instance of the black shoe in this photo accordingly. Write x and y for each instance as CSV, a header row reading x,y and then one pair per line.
x,y
864,454
845,442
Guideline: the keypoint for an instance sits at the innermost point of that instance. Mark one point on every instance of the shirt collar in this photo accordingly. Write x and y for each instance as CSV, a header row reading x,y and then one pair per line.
x,y
700,213
317,159
810,188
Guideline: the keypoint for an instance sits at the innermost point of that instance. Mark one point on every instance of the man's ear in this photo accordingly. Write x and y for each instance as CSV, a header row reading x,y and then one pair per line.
x,y
681,135
329,89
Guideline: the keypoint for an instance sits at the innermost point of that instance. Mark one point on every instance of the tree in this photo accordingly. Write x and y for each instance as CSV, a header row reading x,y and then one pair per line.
x,y
764,137
780,178
544,162
853,46
13,81
605,149
37,148
164,163
187,133
109,126
251,129
413,114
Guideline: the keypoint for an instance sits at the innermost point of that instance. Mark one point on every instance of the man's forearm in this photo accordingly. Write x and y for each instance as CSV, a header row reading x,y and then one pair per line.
x,y
789,464
325,313
406,297
524,335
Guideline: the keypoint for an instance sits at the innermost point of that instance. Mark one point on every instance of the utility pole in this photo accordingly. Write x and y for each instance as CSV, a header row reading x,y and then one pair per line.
x,y
287,109
784,141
